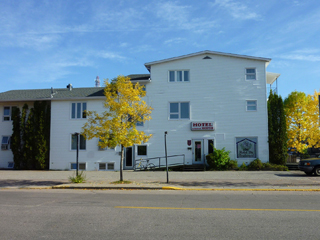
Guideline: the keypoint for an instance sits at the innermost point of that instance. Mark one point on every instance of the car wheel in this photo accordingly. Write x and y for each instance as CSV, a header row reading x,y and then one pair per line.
x,y
317,171
309,173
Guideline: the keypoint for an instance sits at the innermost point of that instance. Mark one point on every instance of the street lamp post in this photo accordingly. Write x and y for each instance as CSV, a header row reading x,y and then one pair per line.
x,y
165,149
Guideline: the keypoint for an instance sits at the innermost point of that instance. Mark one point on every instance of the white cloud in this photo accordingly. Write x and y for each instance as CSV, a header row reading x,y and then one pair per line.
x,y
109,55
237,9
181,17
301,57
174,41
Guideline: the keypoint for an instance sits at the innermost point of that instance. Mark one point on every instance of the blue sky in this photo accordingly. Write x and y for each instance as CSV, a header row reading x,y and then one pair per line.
x,y
47,44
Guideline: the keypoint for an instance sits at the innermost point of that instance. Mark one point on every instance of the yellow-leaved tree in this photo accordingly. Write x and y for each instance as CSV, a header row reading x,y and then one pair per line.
x,y
117,125
313,115
302,113
296,106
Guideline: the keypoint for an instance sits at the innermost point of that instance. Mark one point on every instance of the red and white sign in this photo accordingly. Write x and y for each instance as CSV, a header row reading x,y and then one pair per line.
x,y
202,126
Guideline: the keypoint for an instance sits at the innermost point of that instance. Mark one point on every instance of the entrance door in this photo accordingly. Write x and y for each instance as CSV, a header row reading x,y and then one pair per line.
x,y
128,160
197,153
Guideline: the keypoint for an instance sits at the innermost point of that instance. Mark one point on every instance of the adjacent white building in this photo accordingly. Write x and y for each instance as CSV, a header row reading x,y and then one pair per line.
x,y
201,100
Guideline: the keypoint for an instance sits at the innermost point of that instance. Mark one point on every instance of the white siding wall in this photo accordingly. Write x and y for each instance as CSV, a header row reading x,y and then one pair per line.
x,y
62,126
217,92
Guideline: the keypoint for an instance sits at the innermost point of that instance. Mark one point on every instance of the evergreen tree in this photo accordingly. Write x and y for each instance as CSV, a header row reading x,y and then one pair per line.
x,y
15,140
277,130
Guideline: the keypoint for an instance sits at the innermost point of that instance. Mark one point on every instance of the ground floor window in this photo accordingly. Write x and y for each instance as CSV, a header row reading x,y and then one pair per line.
x,y
246,147
106,166
82,145
82,166
142,150
210,146
5,143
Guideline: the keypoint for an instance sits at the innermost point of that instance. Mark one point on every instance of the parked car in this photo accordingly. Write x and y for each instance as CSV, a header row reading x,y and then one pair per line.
x,y
310,166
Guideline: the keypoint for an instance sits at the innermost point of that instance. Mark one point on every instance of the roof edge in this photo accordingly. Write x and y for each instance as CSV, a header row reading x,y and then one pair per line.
x,y
148,64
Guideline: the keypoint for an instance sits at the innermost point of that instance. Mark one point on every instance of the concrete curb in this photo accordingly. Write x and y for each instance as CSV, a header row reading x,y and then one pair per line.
x,y
242,189
174,188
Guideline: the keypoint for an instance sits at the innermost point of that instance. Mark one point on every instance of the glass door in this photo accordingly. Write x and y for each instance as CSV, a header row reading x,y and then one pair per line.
x,y
197,151
128,159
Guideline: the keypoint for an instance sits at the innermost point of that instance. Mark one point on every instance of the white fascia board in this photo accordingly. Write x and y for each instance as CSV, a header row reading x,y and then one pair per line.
x,y
147,65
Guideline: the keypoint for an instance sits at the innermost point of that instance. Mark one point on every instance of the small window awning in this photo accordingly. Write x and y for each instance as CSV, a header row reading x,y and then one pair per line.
x,y
272,77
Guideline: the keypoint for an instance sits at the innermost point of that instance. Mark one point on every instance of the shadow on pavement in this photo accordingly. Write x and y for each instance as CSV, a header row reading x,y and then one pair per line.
x,y
237,184
25,183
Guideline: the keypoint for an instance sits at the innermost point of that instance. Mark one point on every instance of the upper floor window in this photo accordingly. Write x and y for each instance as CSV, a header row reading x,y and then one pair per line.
x,y
179,110
5,143
7,113
251,74
251,105
82,142
179,76
78,110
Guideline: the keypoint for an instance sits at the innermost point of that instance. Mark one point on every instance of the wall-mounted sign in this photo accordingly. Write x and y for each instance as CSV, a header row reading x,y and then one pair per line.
x,y
202,126
189,142
246,147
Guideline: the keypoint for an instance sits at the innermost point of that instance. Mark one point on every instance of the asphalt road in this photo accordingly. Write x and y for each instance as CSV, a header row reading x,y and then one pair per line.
x,y
78,214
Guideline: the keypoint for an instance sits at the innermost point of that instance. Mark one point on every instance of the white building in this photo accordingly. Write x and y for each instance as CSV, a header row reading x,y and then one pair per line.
x,y
201,99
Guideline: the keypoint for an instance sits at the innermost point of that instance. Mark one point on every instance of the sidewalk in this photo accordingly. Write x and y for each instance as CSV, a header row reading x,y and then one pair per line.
x,y
213,180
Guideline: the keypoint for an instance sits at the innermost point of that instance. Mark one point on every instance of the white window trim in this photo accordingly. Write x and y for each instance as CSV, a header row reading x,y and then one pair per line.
x,y
176,75
81,115
179,112
255,73
71,134
256,105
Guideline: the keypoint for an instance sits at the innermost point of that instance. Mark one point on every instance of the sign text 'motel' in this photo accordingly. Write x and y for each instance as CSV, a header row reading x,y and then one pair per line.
x,y
202,126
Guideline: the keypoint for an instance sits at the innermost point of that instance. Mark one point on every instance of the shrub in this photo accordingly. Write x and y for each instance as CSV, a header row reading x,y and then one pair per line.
x,y
219,159
243,167
233,164
78,179
255,165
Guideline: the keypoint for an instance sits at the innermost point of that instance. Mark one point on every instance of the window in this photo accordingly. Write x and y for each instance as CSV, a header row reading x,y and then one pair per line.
x,y
82,166
110,166
246,147
106,166
78,110
210,146
250,74
179,110
142,150
140,123
251,105
5,143
102,166
7,113
179,76
82,145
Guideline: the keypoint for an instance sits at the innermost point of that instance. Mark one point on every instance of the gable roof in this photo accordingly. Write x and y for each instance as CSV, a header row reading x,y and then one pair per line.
x,y
148,65
54,94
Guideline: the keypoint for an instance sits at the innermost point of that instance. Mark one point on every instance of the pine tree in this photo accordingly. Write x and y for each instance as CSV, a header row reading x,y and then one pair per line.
x,y
277,130
15,140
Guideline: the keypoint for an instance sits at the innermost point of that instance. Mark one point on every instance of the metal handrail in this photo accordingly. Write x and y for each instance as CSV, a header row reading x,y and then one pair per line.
x,y
138,162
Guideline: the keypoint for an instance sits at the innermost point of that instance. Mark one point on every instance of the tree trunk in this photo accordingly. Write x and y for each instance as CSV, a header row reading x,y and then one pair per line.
x,y
121,163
